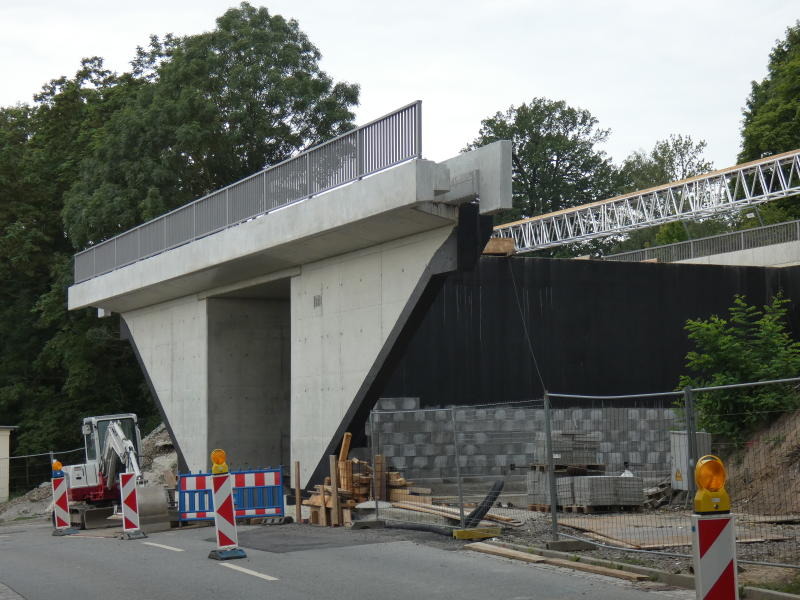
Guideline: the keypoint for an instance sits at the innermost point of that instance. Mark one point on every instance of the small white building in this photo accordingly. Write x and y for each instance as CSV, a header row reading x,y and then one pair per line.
x,y
5,461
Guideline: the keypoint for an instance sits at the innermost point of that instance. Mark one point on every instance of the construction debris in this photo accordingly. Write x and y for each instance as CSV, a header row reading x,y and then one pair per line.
x,y
362,485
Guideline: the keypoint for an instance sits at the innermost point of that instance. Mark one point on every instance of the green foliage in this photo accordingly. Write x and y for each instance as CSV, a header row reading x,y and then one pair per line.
x,y
555,157
772,113
771,122
200,112
752,344
100,152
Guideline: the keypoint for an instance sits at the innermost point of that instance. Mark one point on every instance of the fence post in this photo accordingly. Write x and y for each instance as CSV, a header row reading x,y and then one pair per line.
x,y
373,445
691,438
359,153
458,469
551,469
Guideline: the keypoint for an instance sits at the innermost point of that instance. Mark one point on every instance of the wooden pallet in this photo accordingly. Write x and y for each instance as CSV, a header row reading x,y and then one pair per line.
x,y
592,508
559,468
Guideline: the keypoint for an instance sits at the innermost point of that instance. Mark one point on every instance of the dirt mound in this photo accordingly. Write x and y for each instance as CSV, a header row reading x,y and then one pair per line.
x,y
159,457
764,476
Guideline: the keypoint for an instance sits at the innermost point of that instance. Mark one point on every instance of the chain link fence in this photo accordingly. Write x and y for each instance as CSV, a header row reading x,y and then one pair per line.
x,y
614,471
31,470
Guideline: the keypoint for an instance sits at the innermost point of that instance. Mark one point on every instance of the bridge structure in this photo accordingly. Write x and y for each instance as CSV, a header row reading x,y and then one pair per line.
x,y
719,192
264,315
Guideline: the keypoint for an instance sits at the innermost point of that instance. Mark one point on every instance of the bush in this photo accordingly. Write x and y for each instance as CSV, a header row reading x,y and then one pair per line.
x,y
751,345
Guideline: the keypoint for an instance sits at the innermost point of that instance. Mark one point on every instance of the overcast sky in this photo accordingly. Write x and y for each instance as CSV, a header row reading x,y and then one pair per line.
x,y
645,69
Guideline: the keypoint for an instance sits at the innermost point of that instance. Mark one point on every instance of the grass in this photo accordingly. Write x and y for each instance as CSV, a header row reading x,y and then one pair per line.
x,y
788,587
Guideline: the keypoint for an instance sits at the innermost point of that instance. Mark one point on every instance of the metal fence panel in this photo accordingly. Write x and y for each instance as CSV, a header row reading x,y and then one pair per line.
x,y
616,471
378,145
246,199
179,226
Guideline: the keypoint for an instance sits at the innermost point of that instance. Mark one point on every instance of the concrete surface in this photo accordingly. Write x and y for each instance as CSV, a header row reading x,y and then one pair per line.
x,y
287,562
259,339
5,461
776,255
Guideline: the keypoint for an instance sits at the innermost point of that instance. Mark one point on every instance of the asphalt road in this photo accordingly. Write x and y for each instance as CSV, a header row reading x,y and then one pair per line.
x,y
288,562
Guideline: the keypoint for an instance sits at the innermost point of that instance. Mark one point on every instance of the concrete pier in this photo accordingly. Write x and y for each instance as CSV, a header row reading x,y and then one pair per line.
x,y
263,337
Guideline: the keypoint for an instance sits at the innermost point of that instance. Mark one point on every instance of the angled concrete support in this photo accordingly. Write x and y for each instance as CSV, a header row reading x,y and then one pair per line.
x,y
268,338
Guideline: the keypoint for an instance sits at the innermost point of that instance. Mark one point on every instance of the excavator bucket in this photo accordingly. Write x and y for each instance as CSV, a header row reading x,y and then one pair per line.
x,y
153,512
153,508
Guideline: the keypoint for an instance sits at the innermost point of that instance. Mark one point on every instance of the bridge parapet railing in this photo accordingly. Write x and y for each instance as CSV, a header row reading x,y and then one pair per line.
x,y
734,241
379,145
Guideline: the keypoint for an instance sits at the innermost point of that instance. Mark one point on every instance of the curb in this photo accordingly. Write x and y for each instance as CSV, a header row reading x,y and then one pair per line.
x,y
676,579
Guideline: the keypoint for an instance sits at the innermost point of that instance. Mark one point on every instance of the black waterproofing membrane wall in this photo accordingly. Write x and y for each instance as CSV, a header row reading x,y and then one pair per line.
x,y
596,327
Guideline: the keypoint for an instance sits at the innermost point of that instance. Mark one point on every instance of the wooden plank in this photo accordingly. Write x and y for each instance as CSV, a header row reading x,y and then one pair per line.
x,y
504,552
336,516
298,507
346,475
345,450
323,513
454,513
347,517
596,569
380,477
478,533
500,247
402,495
556,562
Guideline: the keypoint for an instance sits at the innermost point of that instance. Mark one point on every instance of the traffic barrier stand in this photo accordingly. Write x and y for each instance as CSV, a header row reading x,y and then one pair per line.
x,y
130,507
714,549
61,519
225,520
713,533
256,493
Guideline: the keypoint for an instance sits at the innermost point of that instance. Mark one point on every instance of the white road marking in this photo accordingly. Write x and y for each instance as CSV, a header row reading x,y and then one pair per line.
x,y
249,572
165,547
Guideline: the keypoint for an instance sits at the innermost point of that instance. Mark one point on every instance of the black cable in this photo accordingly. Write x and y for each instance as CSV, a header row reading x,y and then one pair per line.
x,y
525,325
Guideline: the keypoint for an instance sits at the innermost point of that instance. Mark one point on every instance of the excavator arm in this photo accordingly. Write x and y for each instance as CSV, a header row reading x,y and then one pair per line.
x,y
118,446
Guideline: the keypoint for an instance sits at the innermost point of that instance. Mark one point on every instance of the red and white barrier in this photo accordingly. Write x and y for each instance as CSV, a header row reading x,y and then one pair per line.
x,y
714,546
225,519
61,520
130,506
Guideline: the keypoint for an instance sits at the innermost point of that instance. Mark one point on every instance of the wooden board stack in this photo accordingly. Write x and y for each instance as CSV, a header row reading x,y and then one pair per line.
x,y
354,482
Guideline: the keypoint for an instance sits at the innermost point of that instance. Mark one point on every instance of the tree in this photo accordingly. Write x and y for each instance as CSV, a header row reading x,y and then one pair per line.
x,y
771,122
556,162
100,152
208,109
753,344
677,157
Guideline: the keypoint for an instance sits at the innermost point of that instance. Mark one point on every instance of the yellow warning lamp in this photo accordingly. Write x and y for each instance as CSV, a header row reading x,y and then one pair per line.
x,y
57,466
710,476
218,464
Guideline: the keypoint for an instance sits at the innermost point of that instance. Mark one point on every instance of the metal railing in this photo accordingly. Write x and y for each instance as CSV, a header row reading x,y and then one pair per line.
x,y
735,241
383,143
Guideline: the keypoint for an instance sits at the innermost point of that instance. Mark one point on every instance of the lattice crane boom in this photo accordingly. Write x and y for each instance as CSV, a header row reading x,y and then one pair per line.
x,y
724,191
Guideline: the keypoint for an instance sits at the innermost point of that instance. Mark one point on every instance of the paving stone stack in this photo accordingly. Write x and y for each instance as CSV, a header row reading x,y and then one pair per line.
x,y
538,488
608,491
422,444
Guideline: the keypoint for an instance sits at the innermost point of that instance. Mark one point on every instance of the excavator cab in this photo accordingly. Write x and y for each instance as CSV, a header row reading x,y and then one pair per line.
x,y
95,430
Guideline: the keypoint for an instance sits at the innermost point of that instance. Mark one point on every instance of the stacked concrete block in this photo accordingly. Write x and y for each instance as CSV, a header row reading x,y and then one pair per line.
x,y
630,491
608,491
595,491
489,440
